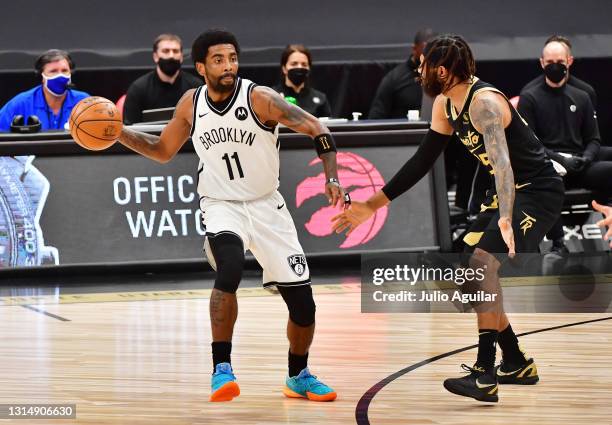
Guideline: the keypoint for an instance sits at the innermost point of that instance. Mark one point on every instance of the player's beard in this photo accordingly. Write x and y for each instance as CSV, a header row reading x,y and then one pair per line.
x,y
432,86
220,87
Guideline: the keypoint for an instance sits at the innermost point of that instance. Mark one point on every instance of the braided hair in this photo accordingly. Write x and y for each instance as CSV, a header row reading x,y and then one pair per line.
x,y
453,53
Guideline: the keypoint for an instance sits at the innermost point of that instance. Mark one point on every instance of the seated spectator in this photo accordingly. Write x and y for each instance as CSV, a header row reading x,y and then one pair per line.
x,y
400,90
564,119
296,62
162,87
571,80
53,100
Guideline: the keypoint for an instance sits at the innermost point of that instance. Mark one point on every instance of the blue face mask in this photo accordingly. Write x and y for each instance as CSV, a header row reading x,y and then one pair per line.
x,y
58,84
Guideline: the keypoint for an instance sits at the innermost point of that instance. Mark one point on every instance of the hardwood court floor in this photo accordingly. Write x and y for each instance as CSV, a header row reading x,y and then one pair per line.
x,y
147,361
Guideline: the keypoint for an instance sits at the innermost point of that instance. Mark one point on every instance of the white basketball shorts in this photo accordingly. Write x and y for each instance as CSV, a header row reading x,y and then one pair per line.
x,y
266,229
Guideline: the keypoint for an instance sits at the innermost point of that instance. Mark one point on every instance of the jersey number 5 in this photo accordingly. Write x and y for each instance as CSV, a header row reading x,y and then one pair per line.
x,y
226,158
484,158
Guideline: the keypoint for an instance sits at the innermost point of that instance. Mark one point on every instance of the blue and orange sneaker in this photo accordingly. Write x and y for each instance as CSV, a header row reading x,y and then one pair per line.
x,y
223,386
308,386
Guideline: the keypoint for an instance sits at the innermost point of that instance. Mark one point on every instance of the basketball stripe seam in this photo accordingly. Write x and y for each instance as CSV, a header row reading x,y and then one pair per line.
x,y
102,119
96,137
80,113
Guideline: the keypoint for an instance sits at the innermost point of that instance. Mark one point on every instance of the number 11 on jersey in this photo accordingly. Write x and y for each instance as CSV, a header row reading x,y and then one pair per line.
x,y
226,158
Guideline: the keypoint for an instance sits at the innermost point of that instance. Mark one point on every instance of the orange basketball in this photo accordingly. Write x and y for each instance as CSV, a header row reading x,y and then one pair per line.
x,y
95,123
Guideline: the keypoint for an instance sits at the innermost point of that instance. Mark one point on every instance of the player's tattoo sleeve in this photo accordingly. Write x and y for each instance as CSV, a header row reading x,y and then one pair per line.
x,y
272,107
174,135
143,143
487,116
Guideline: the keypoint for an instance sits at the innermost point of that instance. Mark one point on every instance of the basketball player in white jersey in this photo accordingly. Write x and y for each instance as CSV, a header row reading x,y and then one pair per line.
x,y
233,124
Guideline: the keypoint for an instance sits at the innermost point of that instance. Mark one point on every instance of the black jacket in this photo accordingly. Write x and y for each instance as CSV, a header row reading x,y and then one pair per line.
x,y
398,92
149,92
572,81
563,118
312,101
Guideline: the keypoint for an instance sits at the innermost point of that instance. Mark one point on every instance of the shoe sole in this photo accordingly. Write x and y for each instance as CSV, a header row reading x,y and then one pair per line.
x,y
485,398
532,380
310,396
227,392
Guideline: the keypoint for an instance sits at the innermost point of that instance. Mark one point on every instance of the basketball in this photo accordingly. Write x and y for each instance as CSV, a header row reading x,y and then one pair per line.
x,y
95,123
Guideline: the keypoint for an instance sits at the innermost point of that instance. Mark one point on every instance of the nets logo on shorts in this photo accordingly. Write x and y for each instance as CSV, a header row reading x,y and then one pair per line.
x,y
241,113
298,263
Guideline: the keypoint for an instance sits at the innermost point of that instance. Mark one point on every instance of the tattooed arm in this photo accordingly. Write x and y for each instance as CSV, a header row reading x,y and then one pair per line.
x,y
163,148
490,114
271,109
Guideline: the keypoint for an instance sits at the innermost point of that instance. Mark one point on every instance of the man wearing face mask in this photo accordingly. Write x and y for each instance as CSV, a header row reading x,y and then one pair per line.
x,y
564,119
162,87
53,100
296,62
572,80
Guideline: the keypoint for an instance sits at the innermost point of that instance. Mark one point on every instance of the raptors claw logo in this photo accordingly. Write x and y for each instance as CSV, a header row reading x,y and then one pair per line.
x,y
354,172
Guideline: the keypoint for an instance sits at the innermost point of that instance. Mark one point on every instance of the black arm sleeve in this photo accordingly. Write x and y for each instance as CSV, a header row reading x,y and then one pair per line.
x,y
421,162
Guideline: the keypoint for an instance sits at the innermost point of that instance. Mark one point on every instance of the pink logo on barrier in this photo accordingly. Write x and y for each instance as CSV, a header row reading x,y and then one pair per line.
x,y
362,179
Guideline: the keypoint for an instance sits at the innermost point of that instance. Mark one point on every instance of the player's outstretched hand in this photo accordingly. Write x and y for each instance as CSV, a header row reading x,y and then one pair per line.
x,y
352,217
607,221
335,194
505,226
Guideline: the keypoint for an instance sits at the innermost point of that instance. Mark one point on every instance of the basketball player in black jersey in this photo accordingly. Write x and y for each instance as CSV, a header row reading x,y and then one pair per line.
x,y
520,209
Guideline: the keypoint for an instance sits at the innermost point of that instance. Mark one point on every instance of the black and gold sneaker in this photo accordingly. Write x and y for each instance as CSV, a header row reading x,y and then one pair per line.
x,y
479,384
516,373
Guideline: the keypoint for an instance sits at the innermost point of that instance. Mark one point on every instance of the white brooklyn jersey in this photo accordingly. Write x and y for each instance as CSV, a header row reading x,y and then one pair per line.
x,y
238,153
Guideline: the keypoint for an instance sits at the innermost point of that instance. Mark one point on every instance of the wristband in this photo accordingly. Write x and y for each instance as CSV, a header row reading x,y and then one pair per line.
x,y
324,143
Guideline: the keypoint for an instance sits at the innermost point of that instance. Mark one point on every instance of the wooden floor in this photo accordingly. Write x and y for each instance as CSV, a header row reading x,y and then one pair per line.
x,y
148,362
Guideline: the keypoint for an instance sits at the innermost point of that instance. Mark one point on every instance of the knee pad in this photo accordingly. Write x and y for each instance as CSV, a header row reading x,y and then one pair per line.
x,y
300,304
228,252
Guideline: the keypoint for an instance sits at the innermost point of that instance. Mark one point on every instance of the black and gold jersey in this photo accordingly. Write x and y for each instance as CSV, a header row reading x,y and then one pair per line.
x,y
527,156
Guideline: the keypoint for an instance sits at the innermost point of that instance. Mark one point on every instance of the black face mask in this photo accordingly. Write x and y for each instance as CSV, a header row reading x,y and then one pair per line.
x,y
555,72
298,75
169,66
